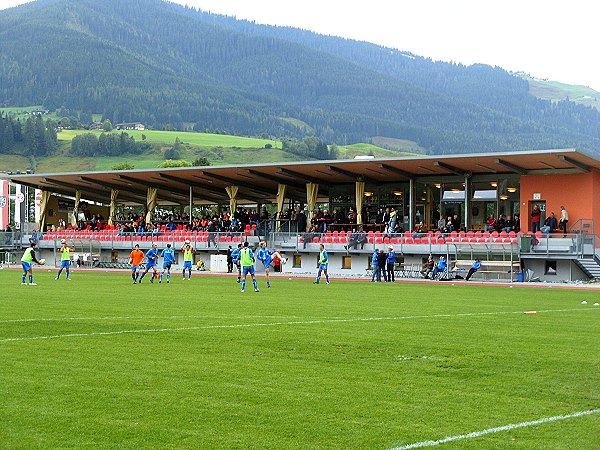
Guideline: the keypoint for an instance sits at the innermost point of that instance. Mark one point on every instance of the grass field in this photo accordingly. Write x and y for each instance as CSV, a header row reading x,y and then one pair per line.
x,y
194,139
100,363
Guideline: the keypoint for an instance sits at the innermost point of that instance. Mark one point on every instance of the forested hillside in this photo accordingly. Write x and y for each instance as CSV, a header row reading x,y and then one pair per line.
x,y
172,67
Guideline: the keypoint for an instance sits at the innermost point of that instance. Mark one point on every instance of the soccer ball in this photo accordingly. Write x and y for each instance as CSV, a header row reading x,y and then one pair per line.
x,y
283,260
187,241
63,241
42,261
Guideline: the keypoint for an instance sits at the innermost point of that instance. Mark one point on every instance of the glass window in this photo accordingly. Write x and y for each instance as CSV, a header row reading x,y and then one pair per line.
x,y
454,195
488,194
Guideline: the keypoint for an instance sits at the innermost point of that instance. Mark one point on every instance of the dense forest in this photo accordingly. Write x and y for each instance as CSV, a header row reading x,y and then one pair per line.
x,y
173,67
35,134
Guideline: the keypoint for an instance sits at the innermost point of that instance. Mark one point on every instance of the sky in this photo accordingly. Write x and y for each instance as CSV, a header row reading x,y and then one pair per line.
x,y
549,39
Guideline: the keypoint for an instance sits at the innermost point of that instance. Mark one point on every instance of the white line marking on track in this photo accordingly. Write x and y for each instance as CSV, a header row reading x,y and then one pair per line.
x,y
274,324
509,427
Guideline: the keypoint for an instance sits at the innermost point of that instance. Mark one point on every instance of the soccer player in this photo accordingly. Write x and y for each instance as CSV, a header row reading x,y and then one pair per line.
x,y
235,258
188,259
151,262
26,260
168,256
266,257
65,259
247,263
135,259
323,263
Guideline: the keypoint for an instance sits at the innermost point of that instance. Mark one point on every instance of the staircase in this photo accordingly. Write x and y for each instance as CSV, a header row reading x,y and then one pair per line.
x,y
590,266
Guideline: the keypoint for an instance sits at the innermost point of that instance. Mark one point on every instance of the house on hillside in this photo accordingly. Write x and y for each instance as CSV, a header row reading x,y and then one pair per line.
x,y
131,126
96,125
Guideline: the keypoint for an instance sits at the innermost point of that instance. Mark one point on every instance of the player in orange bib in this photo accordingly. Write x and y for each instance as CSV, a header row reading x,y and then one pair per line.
x,y
135,259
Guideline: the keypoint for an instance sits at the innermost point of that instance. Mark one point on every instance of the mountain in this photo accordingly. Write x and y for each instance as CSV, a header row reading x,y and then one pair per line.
x,y
173,67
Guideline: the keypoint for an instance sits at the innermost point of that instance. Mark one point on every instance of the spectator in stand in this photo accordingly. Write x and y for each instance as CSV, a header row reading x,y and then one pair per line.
x,y
356,238
441,225
490,224
508,224
536,216
301,219
212,233
516,223
500,223
550,224
455,222
352,216
419,230
564,219
393,220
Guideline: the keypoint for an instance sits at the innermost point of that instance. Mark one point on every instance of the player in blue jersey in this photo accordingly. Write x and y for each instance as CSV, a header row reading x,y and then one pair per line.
x,y
267,256
151,263
235,258
168,256
323,264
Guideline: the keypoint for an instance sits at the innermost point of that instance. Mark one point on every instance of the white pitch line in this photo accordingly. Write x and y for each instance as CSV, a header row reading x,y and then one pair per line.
x,y
274,324
509,427
72,319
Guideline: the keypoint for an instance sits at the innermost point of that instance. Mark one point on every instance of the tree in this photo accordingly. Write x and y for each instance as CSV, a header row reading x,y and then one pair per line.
x,y
123,166
174,163
107,126
171,153
201,161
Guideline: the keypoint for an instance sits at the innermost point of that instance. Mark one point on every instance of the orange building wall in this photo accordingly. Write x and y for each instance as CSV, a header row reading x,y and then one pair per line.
x,y
578,193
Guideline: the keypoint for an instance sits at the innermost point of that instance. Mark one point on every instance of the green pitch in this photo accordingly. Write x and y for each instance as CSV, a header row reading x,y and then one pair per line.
x,y
100,363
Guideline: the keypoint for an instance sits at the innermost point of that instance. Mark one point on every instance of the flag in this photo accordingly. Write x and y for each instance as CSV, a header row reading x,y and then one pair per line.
x,y
38,205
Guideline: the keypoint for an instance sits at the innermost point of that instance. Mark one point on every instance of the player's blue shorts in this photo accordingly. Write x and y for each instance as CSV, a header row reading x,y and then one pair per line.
x,y
267,262
187,265
135,268
166,266
323,266
65,263
248,270
26,266
150,265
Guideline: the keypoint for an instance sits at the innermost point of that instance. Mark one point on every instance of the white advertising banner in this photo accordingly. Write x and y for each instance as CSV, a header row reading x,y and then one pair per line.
x,y
4,204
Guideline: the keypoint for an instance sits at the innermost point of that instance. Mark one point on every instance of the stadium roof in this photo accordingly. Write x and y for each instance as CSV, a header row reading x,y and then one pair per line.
x,y
258,183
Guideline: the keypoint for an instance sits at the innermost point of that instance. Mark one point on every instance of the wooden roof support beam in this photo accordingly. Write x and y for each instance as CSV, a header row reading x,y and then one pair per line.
x,y
581,166
276,179
450,168
353,175
511,166
395,170
58,190
231,181
301,176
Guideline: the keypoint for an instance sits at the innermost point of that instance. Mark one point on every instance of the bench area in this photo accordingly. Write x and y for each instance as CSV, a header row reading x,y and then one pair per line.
x,y
489,269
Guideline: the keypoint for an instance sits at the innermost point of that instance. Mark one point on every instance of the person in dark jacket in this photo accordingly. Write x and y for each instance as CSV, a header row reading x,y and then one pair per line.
x,y
381,264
